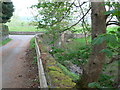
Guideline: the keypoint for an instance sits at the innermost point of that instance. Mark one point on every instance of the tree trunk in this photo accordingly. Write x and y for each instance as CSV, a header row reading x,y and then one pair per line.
x,y
94,67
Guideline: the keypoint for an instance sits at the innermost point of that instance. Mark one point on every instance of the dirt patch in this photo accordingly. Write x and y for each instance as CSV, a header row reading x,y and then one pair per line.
x,y
32,72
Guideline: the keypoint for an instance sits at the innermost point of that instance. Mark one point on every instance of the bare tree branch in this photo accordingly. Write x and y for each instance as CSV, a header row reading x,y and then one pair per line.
x,y
63,15
79,4
78,20
109,20
113,22
114,58
67,12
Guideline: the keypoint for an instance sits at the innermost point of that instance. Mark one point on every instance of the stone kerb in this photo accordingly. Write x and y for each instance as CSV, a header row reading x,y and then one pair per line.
x,y
42,78
4,32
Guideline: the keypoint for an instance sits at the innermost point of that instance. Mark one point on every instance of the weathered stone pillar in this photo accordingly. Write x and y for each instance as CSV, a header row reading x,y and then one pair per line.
x,y
4,32
0,21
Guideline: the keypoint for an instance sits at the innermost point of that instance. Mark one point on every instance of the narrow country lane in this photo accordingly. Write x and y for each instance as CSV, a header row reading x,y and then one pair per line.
x,y
13,71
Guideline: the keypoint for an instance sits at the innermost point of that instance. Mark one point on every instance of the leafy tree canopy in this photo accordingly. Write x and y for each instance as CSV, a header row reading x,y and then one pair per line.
x,y
7,9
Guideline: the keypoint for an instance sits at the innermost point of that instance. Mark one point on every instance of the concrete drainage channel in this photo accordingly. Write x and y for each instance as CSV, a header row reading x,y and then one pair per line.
x,y
42,78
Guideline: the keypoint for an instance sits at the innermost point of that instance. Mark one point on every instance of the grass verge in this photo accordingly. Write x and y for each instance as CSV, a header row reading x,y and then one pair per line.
x,y
32,43
24,29
32,47
31,65
5,41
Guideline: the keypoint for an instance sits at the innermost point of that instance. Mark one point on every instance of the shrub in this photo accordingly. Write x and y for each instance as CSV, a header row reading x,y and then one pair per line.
x,y
7,11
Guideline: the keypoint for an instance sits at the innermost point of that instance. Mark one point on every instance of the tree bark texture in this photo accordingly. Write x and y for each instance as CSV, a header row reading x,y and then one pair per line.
x,y
94,67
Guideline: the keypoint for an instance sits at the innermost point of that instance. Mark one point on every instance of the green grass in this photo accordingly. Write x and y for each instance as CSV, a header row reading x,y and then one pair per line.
x,y
24,28
77,43
32,47
20,28
82,40
110,28
5,41
18,25
32,43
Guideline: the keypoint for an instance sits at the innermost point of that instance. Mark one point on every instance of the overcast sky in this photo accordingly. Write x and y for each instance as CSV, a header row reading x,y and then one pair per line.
x,y
21,7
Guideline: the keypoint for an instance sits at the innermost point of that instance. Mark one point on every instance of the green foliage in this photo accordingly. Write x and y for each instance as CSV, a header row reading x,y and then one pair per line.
x,y
7,11
112,29
94,85
109,38
98,40
115,11
32,43
106,80
111,70
75,51
56,50
112,39
108,52
107,77
32,46
51,12
5,41
35,60
51,17
74,56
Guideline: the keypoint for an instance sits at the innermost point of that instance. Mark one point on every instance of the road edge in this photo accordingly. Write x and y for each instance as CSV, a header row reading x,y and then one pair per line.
x,y
42,78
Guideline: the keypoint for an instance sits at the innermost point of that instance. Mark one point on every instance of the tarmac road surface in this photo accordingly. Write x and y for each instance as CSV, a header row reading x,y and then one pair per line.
x,y
12,61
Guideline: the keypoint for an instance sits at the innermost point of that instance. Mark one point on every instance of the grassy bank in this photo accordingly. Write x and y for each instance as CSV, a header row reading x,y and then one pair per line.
x,y
24,28
5,41
80,29
31,59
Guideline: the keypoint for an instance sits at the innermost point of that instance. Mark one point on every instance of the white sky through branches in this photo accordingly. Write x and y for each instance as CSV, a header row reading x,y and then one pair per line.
x,y
22,7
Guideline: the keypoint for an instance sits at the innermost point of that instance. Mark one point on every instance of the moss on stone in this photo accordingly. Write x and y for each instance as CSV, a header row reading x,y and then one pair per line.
x,y
50,61
61,80
39,41
43,49
58,78
54,68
